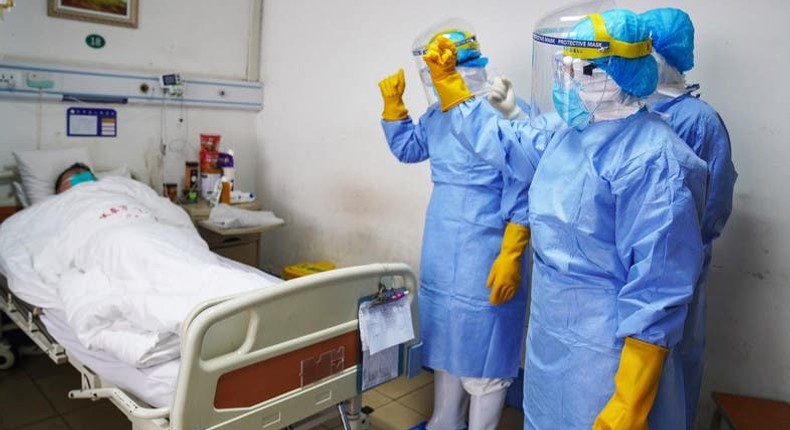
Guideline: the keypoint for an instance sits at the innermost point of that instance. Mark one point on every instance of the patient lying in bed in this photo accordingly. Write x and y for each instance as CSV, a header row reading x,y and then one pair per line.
x,y
125,265
74,175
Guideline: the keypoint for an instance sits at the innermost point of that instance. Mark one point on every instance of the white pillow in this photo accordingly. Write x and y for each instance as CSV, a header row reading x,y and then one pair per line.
x,y
20,194
39,169
122,171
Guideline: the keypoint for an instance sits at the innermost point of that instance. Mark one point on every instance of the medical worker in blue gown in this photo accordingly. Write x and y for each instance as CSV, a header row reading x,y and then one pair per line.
x,y
702,129
475,236
615,203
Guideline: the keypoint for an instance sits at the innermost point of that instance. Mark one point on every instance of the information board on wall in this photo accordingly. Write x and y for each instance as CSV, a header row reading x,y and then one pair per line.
x,y
91,122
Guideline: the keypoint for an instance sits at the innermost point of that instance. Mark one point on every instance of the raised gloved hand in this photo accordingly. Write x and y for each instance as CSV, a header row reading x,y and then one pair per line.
x,y
392,88
449,84
505,275
503,98
635,387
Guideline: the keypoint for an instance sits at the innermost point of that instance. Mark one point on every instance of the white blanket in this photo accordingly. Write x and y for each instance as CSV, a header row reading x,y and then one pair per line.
x,y
125,265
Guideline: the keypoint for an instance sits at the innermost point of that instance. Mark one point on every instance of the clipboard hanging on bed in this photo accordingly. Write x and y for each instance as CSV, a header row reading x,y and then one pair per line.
x,y
385,325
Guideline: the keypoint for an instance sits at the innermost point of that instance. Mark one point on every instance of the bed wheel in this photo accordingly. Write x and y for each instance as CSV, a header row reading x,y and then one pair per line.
x,y
7,358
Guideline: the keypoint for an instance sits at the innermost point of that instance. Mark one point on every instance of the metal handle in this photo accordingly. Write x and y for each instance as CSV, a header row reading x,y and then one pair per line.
x,y
121,400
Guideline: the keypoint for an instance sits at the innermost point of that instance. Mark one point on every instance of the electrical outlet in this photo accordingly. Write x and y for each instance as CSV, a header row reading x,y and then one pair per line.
x,y
9,79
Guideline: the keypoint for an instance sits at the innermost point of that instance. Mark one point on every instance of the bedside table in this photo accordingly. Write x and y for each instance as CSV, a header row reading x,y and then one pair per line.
x,y
199,210
238,244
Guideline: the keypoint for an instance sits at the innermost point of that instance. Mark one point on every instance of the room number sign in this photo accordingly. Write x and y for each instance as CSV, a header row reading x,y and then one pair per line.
x,y
95,41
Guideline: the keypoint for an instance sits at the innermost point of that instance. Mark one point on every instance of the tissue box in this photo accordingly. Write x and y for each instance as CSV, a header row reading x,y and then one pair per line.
x,y
304,269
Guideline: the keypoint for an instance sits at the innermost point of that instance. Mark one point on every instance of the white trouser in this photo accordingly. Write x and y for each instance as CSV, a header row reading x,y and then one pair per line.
x,y
452,394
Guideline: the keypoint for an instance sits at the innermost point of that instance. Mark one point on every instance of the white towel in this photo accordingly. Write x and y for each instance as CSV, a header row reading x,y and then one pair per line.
x,y
227,216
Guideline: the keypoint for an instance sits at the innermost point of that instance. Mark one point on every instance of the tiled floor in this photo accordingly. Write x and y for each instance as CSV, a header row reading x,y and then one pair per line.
x,y
33,397
404,403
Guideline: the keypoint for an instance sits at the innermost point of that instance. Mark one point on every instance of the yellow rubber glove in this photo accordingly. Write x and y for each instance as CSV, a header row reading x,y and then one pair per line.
x,y
392,88
449,84
635,387
505,275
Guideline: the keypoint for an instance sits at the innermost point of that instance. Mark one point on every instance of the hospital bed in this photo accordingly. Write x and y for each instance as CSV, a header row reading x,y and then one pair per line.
x,y
267,359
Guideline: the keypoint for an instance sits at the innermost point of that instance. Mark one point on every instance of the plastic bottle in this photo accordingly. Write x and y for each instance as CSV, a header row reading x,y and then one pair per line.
x,y
228,169
224,196
191,177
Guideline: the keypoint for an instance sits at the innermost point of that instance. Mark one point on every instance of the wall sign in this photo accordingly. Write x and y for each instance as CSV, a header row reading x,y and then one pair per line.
x,y
91,122
95,41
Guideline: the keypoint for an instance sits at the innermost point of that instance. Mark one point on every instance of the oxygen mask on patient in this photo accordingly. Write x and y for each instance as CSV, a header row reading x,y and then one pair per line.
x,y
81,177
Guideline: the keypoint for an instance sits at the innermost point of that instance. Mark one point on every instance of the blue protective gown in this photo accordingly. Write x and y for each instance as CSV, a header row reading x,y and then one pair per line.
x,y
463,334
615,218
704,131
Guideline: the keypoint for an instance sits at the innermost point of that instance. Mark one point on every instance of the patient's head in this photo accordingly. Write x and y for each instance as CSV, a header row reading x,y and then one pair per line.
x,y
75,174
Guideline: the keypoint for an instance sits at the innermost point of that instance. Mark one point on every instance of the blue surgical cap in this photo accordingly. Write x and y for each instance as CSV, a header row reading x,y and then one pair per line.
x,y
469,54
673,36
638,76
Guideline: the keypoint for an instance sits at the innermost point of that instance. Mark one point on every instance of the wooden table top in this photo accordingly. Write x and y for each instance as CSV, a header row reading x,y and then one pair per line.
x,y
753,413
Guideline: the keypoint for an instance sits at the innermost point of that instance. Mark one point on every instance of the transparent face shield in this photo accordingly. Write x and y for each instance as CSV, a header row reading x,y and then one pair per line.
x,y
563,84
580,88
471,66
476,79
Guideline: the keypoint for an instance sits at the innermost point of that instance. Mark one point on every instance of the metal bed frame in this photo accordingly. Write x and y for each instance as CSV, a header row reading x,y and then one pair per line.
x,y
284,356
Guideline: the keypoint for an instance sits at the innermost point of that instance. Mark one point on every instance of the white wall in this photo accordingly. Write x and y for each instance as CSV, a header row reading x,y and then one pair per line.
x,y
325,166
173,36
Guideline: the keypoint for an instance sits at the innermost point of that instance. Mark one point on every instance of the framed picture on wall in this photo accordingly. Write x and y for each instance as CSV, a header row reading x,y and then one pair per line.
x,y
113,12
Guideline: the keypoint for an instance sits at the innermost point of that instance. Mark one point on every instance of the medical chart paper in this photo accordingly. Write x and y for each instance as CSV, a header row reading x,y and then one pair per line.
x,y
385,325
380,367
83,125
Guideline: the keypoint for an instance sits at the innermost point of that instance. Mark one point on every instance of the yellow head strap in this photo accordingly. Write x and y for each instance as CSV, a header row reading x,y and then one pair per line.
x,y
616,48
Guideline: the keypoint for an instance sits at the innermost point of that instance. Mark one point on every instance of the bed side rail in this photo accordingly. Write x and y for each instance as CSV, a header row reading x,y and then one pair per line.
x,y
300,336
25,317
